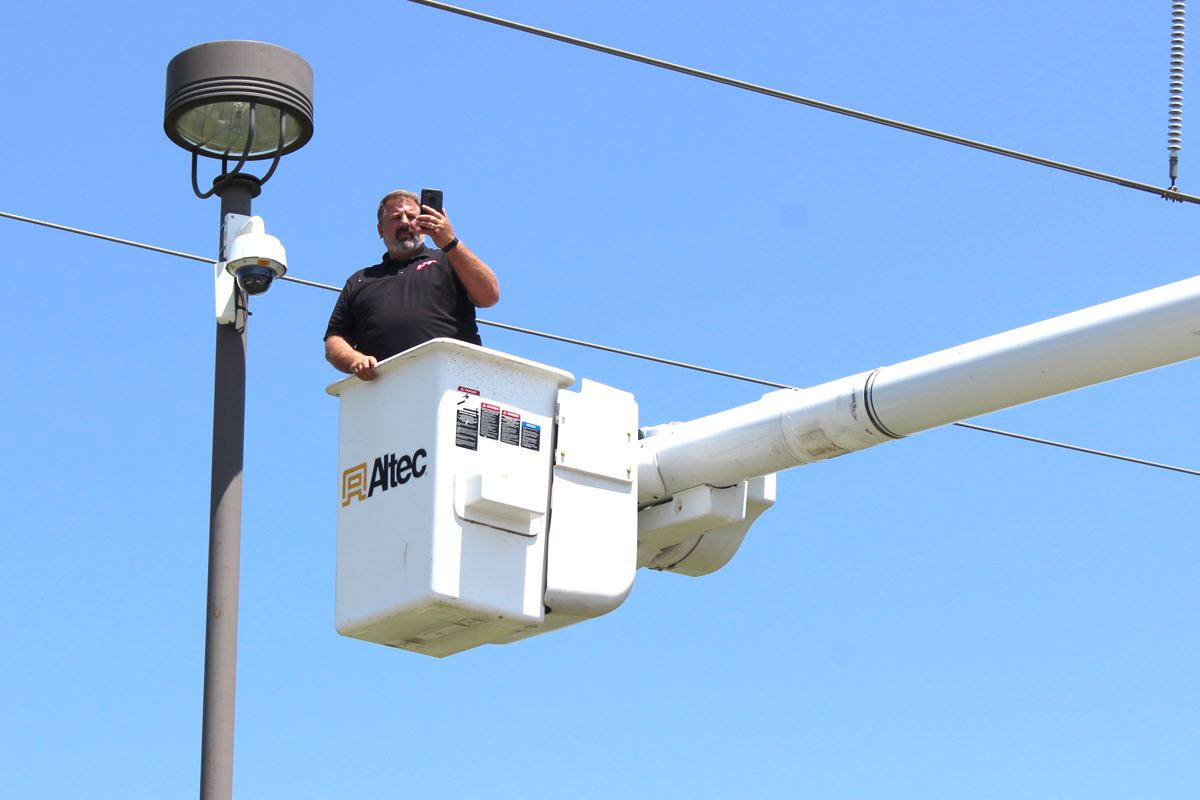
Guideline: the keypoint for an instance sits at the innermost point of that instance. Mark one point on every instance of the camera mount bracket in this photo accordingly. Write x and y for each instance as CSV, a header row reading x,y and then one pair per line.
x,y
225,284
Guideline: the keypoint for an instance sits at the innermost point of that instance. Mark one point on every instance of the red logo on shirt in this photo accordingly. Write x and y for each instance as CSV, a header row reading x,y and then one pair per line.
x,y
426,263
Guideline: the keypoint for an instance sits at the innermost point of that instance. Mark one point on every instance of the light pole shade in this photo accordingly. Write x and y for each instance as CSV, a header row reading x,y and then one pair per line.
x,y
210,88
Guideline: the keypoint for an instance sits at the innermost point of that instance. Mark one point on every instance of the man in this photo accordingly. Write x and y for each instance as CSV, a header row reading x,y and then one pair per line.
x,y
415,294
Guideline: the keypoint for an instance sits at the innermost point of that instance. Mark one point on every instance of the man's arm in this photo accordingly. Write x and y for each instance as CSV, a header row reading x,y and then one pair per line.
x,y
482,287
346,359
481,283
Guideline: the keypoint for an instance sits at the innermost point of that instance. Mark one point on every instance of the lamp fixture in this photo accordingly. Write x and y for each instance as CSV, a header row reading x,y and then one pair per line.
x,y
239,100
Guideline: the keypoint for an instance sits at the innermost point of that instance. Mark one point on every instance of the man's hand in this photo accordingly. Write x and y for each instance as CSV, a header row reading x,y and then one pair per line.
x,y
437,225
345,358
364,368
482,287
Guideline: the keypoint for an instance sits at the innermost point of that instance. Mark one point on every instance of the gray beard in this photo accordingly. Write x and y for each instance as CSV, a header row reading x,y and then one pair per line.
x,y
403,247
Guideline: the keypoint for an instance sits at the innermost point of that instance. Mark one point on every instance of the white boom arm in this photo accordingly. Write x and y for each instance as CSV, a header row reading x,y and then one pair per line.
x,y
792,427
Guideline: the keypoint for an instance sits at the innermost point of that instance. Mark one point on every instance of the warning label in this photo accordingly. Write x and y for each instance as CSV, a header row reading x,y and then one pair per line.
x,y
510,429
489,421
466,432
531,436
468,390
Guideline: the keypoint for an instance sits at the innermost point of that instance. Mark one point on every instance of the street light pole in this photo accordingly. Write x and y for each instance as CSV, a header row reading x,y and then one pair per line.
x,y
225,526
233,101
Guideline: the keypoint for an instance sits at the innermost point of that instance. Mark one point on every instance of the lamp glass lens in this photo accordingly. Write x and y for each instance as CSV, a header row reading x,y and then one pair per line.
x,y
220,129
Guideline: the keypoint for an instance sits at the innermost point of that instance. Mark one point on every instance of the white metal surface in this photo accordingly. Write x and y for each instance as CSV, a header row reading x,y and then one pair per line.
x,y
1097,344
444,475
688,514
592,546
788,428
225,282
713,549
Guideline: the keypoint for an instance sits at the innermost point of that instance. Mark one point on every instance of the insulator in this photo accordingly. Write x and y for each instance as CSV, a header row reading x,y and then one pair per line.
x,y
1175,101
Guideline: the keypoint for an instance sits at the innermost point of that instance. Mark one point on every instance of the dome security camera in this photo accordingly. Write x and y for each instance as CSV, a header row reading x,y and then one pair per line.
x,y
255,258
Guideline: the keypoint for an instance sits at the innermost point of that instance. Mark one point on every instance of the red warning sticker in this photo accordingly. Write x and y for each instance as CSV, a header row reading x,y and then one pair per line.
x,y
512,414
490,407
469,391
510,429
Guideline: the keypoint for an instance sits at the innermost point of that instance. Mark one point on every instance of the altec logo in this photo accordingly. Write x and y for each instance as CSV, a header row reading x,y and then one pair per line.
x,y
388,472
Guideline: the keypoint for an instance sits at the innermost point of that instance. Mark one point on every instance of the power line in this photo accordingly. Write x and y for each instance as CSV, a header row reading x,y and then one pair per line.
x,y
1168,194
326,286
310,283
607,349
592,345
107,238
1035,439
150,247
1074,447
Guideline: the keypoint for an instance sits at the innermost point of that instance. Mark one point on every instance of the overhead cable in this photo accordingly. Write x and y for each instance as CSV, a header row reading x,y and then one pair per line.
x,y
150,247
1170,194
607,349
310,283
592,345
107,238
1079,449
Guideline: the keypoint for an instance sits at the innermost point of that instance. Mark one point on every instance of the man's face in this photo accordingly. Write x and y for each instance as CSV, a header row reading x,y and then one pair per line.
x,y
399,229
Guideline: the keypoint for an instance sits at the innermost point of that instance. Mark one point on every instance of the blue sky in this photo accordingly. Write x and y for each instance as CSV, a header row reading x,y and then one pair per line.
x,y
952,615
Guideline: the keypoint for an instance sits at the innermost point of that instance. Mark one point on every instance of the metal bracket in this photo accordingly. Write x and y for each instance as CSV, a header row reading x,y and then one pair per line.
x,y
224,283
701,528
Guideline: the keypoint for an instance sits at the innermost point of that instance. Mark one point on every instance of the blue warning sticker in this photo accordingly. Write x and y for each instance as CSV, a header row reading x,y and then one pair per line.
x,y
531,436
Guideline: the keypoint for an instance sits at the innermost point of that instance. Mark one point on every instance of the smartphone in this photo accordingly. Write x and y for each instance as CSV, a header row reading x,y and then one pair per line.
x,y
432,198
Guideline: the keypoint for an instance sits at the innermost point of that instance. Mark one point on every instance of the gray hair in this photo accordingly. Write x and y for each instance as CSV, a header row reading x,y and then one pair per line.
x,y
396,195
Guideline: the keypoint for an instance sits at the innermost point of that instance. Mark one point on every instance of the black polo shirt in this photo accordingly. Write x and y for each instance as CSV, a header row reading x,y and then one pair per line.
x,y
388,308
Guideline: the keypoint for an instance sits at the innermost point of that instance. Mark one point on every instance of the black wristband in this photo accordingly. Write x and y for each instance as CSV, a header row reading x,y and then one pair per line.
x,y
453,244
